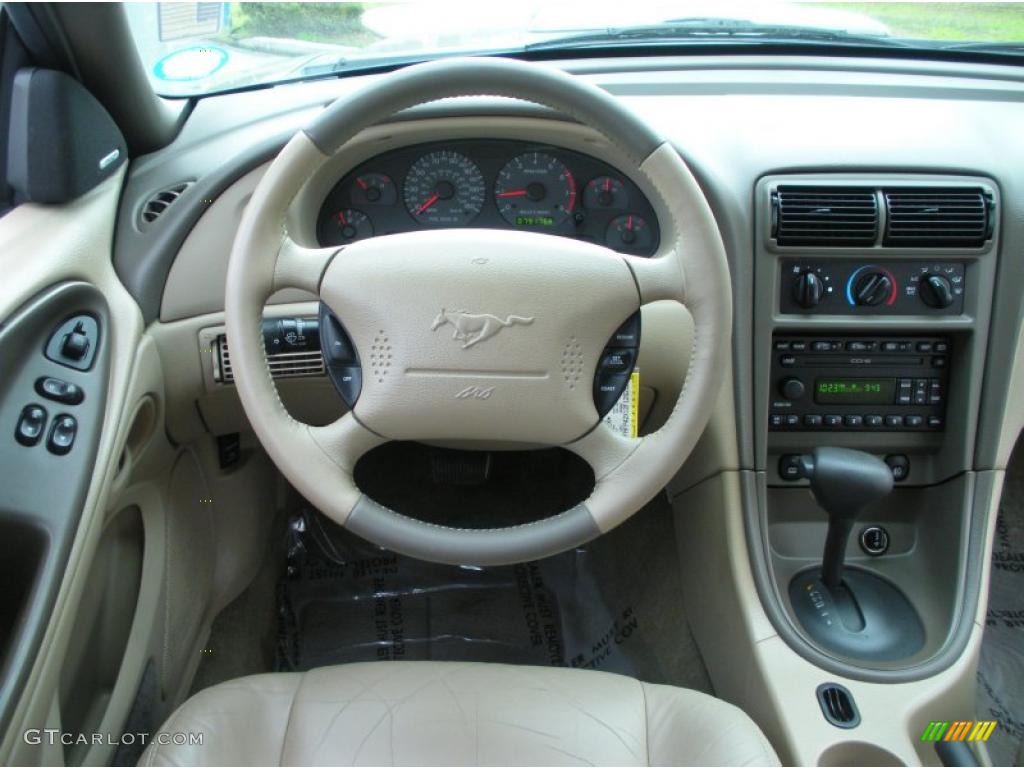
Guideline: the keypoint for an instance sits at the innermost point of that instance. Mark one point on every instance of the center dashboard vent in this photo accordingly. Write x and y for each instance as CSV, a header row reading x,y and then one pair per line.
x,y
824,216
938,217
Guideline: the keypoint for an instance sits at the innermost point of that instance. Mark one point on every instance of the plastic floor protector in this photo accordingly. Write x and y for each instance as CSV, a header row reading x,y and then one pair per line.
x,y
346,600
1001,670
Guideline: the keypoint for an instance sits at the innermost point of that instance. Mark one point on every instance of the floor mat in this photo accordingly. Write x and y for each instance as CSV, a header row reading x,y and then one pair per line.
x,y
612,605
1001,669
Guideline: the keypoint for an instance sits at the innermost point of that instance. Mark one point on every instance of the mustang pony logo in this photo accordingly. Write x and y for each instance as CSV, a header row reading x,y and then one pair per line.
x,y
472,329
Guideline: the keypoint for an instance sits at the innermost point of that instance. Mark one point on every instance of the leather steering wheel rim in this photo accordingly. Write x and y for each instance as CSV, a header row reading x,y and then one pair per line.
x,y
690,267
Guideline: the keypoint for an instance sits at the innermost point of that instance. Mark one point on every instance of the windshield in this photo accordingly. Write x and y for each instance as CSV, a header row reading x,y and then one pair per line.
x,y
199,48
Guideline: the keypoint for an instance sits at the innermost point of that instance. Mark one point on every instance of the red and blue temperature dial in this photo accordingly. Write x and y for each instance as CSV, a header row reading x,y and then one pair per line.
x,y
871,286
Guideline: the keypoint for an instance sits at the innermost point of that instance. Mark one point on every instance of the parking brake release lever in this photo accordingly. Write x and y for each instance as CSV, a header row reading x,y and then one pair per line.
x,y
844,482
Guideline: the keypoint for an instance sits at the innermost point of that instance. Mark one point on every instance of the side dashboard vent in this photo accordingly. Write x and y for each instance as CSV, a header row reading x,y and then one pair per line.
x,y
283,365
824,216
938,218
159,202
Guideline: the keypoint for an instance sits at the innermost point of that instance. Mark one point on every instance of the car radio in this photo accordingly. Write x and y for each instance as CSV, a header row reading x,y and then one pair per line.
x,y
858,383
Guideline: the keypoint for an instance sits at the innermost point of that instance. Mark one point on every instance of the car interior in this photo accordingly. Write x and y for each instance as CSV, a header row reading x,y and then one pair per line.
x,y
394,384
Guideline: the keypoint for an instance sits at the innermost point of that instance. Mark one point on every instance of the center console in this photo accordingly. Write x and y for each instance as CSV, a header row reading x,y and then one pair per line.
x,y
872,307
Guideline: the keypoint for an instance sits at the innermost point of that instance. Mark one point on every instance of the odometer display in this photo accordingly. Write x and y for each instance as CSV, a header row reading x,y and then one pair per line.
x,y
444,189
855,391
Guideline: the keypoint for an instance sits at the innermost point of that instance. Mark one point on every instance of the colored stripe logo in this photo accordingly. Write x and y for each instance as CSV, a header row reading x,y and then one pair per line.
x,y
959,730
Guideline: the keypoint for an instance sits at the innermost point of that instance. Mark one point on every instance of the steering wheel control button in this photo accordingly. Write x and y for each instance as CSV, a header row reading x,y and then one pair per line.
x,y
57,389
74,343
335,343
617,361
628,334
349,381
900,466
62,435
789,467
31,425
608,389
874,540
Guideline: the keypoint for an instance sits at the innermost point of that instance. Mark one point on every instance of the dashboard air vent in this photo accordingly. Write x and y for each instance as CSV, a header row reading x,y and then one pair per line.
x,y
825,216
938,218
837,705
283,365
160,202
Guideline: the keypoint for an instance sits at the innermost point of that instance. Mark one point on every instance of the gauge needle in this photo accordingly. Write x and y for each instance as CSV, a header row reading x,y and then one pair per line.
x,y
512,193
608,184
427,203
362,184
629,223
342,219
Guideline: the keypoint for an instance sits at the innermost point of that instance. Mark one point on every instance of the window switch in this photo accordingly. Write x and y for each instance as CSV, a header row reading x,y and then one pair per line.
x,y
31,425
76,343
62,435
57,389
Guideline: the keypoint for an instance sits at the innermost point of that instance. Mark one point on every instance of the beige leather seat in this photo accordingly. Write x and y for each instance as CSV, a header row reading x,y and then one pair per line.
x,y
435,713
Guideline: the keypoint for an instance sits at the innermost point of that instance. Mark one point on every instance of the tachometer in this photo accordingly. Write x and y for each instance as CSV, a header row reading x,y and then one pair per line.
x,y
535,190
444,188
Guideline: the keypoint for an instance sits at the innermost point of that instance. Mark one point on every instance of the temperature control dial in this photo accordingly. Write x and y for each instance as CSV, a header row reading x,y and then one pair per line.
x,y
872,287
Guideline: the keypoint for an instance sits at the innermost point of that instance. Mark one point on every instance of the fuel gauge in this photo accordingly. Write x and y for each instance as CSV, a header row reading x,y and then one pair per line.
x,y
374,189
629,232
605,192
346,226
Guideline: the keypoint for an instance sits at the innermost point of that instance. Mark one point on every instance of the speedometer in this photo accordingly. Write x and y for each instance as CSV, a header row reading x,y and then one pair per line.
x,y
444,188
535,190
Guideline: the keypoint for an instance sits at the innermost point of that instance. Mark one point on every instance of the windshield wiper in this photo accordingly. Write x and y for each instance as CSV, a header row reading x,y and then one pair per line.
x,y
712,29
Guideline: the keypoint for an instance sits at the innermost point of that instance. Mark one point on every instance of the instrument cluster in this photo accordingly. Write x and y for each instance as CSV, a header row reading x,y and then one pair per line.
x,y
497,184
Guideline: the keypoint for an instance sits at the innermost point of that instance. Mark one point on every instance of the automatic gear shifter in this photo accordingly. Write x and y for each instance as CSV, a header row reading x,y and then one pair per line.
x,y
850,610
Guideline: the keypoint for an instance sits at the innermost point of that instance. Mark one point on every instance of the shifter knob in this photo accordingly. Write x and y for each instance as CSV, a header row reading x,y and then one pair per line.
x,y
843,482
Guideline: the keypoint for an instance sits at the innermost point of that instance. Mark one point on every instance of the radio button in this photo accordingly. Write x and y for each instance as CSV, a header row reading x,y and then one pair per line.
x,y
832,420
939,361
782,345
798,346
787,360
860,346
935,422
924,346
941,346
792,420
874,422
776,421
894,421
853,420
823,346
890,346
812,420
913,421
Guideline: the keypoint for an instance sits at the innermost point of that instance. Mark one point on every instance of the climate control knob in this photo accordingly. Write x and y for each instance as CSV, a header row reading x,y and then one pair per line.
x,y
935,291
872,288
808,290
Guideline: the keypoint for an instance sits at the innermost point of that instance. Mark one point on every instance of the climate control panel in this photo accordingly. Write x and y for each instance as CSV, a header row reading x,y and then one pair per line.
x,y
837,287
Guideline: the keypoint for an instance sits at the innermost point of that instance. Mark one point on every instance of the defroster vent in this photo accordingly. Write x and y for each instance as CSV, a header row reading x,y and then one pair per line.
x,y
938,217
825,216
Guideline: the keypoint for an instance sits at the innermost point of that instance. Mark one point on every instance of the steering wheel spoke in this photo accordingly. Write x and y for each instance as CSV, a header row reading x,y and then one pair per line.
x,y
604,449
344,441
301,267
660,277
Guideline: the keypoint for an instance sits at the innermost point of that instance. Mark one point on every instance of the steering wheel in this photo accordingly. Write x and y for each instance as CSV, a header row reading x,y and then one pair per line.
x,y
391,292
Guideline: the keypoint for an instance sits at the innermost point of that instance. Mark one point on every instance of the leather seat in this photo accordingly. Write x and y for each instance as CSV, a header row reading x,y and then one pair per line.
x,y
437,713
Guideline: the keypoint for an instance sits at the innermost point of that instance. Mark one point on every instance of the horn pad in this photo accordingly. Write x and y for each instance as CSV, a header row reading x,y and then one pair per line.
x,y
478,334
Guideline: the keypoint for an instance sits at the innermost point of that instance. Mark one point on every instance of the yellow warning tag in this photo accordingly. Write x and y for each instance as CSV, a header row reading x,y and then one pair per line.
x,y
624,417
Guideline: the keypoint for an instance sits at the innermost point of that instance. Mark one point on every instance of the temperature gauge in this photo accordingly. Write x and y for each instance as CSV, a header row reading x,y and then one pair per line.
x,y
605,192
374,189
629,232
346,226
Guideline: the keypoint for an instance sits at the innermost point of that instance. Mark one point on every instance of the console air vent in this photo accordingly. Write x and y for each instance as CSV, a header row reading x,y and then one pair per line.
x,y
283,365
160,202
937,218
825,216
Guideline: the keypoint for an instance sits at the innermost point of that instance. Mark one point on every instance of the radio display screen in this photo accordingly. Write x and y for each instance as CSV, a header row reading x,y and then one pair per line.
x,y
855,391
